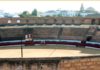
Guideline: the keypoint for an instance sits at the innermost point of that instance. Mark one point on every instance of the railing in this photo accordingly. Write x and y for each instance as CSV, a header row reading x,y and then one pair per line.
x,y
64,42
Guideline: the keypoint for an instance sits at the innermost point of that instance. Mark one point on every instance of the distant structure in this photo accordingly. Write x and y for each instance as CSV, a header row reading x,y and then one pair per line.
x,y
55,13
7,15
82,12
81,8
87,12
69,13
63,13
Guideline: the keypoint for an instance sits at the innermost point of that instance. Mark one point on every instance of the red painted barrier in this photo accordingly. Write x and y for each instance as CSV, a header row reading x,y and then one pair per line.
x,y
27,43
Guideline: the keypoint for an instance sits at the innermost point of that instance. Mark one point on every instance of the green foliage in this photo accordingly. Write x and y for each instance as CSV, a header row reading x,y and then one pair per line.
x,y
34,12
25,14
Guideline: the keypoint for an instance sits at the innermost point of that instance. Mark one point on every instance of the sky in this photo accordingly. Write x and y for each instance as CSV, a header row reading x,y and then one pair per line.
x,y
20,6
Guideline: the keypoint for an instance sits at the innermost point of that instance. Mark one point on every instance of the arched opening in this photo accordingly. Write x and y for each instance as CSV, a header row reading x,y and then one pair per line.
x,y
98,21
27,21
88,38
9,21
73,21
18,21
93,21
0,38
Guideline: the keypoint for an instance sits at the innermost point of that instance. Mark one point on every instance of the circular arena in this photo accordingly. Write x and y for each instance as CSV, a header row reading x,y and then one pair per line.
x,y
41,43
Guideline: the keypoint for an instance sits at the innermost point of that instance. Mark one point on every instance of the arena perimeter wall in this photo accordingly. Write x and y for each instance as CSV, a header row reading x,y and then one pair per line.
x,y
56,63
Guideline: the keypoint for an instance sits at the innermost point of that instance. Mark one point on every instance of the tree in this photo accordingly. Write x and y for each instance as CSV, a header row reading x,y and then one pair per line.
x,y
25,14
59,15
34,12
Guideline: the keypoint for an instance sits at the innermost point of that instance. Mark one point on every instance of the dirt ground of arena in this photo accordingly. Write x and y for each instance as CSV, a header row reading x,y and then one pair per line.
x,y
40,51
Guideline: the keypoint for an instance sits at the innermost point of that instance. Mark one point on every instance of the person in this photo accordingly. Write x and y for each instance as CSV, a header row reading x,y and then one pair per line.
x,y
83,42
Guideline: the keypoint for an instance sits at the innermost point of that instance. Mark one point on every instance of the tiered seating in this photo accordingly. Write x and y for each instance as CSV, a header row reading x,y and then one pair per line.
x,y
86,21
96,37
4,20
30,21
73,33
77,21
45,33
97,21
67,21
58,21
11,34
49,21
40,21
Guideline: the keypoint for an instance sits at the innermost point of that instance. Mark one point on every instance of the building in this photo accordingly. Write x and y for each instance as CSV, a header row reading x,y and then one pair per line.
x,y
84,12
1,14
72,13
69,13
7,15
55,13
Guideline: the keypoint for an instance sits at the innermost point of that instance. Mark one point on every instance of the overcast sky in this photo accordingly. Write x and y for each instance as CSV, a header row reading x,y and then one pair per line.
x,y
19,6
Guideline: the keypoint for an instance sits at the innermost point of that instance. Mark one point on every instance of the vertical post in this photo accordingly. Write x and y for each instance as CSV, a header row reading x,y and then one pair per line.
x,y
21,55
21,50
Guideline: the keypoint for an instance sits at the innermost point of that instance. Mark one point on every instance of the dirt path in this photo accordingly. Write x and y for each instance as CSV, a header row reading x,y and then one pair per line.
x,y
34,52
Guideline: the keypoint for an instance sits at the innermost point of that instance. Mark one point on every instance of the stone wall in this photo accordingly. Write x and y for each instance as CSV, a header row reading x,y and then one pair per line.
x,y
69,33
73,33
43,33
59,63
87,63
50,20
96,37
11,34
29,64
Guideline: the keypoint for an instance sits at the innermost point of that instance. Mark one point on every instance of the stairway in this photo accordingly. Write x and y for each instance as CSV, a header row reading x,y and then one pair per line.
x,y
60,33
92,30
89,34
